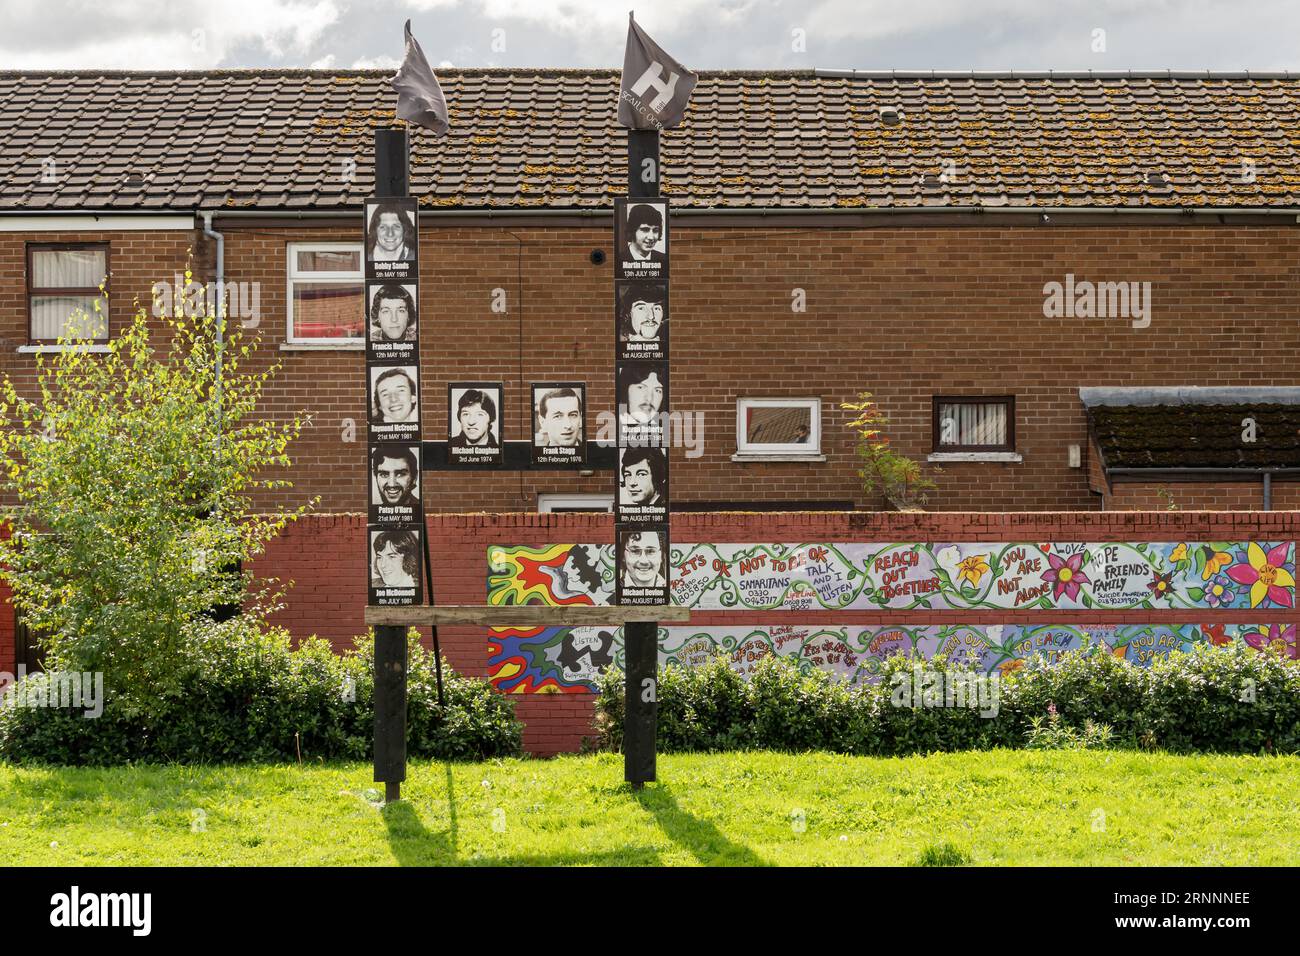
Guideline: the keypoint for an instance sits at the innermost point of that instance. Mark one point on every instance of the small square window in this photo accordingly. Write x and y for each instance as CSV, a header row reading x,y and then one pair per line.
x,y
783,427
64,298
974,424
326,293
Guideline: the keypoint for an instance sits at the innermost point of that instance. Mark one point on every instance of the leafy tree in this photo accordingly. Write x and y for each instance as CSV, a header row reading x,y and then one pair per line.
x,y
884,471
129,478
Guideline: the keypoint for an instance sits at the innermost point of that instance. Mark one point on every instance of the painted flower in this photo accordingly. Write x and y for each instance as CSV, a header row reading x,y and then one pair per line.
x,y
973,568
1215,561
1216,634
1006,667
1220,592
1264,575
1179,553
1065,576
1161,585
1281,640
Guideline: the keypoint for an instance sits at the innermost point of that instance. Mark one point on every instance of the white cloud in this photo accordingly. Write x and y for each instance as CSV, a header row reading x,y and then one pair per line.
x,y
376,63
324,63
158,34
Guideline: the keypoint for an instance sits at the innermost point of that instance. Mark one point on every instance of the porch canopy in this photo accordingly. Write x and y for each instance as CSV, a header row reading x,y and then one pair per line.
x,y
1195,433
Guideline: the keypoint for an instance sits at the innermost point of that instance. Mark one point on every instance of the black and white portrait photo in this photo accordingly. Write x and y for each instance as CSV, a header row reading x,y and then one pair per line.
x,y
474,424
393,328
559,412
392,239
642,242
394,402
642,311
395,484
642,390
642,567
396,566
642,486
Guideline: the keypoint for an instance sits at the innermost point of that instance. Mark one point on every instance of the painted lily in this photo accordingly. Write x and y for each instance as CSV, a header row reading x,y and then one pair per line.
x,y
1265,576
1215,561
1065,576
1220,592
1179,553
1161,585
1280,639
1216,634
973,568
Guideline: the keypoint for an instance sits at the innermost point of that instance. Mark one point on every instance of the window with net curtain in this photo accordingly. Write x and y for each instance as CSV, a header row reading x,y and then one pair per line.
x,y
326,293
63,285
974,424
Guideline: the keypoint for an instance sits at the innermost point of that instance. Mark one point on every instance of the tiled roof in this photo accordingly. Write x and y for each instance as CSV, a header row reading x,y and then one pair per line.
x,y
1197,436
549,138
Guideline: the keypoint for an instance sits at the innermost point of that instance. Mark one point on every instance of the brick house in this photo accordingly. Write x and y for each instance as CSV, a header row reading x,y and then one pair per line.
x,y
1071,293
834,233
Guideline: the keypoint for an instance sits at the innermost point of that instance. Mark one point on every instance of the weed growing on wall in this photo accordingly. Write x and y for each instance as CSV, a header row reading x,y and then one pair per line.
x,y
897,478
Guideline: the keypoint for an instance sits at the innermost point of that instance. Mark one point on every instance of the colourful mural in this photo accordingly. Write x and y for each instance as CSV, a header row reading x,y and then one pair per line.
x,y
569,660
904,577
1041,576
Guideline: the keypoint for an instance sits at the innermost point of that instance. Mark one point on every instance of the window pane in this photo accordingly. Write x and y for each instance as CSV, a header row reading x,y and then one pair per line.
x,y
329,260
67,268
780,425
52,317
328,310
972,423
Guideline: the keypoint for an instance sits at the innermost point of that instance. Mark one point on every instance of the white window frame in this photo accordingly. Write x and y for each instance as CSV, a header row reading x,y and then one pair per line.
x,y
547,503
292,275
811,450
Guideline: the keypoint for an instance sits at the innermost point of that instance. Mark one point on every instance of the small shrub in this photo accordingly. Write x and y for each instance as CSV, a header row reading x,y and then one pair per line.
x,y
1054,735
255,698
1212,699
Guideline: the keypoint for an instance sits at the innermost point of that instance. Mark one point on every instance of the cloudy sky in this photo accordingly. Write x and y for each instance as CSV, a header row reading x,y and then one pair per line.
x,y
703,34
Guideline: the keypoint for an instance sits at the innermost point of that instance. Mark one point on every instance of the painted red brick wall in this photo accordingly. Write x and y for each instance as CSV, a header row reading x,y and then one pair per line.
x,y
326,556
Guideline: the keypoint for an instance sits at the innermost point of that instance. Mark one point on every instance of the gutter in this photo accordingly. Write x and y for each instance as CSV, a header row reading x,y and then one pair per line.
x,y
1172,211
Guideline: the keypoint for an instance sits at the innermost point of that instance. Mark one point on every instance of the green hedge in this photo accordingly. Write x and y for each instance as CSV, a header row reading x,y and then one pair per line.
x,y
1196,701
257,699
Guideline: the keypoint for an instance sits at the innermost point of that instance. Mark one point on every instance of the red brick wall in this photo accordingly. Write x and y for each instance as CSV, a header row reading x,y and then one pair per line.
x,y
905,312
324,558
326,555
1193,496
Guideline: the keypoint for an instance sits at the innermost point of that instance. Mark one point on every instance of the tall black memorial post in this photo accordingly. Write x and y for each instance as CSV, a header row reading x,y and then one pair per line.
x,y
392,181
640,638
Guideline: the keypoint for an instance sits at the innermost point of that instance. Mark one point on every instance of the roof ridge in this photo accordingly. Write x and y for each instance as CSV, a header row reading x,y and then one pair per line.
x,y
615,71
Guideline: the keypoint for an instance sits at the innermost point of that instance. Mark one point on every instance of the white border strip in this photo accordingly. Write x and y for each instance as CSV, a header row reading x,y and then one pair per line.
x,y
94,223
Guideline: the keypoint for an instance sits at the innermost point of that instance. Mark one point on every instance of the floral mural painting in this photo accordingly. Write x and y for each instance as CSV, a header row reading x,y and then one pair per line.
x,y
1267,574
919,576
777,578
570,660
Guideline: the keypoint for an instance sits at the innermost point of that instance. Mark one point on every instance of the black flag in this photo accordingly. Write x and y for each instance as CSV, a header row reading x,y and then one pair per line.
x,y
656,88
419,97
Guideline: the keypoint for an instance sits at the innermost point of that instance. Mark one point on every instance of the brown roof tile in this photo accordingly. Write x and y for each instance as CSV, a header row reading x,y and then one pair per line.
x,y
549,138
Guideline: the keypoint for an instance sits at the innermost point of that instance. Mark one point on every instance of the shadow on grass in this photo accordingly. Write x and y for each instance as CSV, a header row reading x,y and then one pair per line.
x,y
413,844
698,837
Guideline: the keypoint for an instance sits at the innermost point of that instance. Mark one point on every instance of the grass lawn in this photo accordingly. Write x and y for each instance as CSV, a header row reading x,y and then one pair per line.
x,y
1005,807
